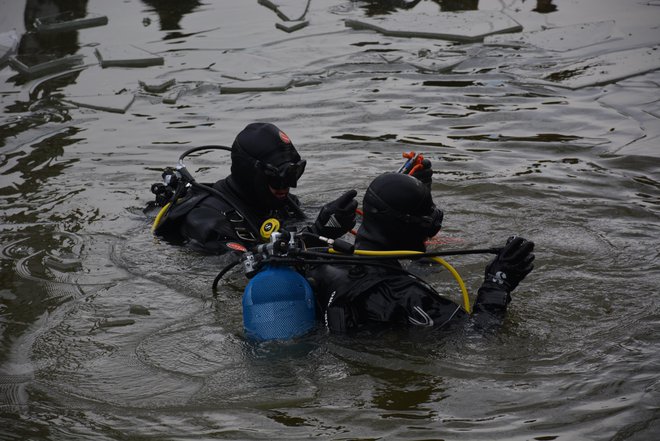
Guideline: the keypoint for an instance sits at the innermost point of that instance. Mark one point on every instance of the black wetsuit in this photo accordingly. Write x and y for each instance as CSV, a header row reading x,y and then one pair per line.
x,y
349,298
263,162
264,166
399,214
207,221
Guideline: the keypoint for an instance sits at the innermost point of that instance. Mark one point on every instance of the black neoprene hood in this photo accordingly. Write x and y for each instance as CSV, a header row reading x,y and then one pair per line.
x,y
266,143
401,193
399,213
260,143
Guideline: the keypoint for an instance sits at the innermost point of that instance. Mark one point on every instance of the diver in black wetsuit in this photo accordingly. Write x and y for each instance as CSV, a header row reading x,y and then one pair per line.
x,y
264,166
399,214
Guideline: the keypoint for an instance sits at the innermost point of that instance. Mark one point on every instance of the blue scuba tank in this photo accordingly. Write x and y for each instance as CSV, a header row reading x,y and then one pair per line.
x,y
278,304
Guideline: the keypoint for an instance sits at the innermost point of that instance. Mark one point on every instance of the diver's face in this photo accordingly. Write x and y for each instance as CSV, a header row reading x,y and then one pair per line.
x,y
279,193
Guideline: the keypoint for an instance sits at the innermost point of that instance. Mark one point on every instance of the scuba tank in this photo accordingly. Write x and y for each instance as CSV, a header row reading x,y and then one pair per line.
x,y
278,302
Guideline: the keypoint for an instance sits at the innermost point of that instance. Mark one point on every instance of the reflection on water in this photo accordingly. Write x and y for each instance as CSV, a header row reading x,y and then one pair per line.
x,y
545,6
37,48
108,333
379,7
56,44
170,13
458,5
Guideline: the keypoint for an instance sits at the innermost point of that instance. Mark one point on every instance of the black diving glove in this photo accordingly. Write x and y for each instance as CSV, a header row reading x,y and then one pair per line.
x,y
424,174
337,217
514,261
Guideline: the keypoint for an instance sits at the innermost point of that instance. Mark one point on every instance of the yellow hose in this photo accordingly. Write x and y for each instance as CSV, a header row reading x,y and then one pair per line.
x,y
451,269
159,216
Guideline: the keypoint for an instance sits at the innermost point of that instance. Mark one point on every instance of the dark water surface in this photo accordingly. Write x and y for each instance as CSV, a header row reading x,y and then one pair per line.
x,y
575,169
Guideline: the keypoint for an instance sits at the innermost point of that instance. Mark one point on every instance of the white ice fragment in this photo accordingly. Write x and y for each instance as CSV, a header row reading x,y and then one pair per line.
x,y
172,96
261,85
606,68
436,64
291,26
68,21
465,26
106,103
37,65
127,56
559,39
157,85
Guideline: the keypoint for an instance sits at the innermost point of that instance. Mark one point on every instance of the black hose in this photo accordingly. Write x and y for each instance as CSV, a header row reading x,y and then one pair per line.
x,y
224,271
322,255
361,261
315,254
318,258
461,252
203,147
298,261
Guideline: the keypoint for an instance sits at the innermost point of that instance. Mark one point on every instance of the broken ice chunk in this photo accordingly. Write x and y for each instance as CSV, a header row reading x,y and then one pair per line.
x,y
291,26
68,21
37,65
606,68
106,103
465,26
157,85
127,56
559,39
261,85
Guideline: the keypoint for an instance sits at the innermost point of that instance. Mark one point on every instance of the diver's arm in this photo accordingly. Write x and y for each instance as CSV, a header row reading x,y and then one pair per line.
x,y
208,230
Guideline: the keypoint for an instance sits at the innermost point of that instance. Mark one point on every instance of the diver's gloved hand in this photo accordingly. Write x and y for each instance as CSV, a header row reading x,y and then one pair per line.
x,y
425,173
337,217
503,274
514,261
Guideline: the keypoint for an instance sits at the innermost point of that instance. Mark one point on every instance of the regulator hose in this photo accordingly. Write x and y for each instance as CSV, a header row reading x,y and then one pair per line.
x,y
368,257
163,211
224,271
406,253
200,148
159,217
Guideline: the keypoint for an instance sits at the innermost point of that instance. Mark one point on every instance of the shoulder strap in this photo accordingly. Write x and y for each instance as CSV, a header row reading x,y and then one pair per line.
x,y
235,212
